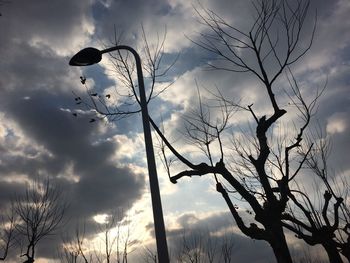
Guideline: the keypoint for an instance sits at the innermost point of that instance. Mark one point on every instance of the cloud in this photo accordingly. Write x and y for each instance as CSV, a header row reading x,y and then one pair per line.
x,y
100,169
213,233
337,123
59,25
174,17
69,142
39,135
56,144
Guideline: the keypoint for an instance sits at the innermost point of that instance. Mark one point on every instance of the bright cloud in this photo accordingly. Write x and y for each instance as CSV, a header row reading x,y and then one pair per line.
x,y
337,123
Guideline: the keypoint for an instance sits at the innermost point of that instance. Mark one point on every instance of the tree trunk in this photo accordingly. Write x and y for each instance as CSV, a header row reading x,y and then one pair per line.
x,y
279,245
281,252
333,254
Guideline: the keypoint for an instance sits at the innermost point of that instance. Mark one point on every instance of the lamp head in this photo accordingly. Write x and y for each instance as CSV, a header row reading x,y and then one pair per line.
x,y
86,57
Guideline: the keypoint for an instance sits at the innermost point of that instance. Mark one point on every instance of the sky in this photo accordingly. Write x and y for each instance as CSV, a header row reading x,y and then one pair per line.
x,y
102,165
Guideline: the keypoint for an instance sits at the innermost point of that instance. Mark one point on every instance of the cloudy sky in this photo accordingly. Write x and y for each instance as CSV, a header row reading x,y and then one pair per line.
x,y
101,166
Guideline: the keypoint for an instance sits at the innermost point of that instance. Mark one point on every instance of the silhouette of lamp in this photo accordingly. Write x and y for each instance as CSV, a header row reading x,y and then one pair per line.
x,y
89,56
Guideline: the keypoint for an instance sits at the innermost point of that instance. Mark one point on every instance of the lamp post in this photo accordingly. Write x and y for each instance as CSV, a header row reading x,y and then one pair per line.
x,y
89,56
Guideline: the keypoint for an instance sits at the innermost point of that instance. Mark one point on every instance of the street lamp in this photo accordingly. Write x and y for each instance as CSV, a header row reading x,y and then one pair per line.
x,y
89,56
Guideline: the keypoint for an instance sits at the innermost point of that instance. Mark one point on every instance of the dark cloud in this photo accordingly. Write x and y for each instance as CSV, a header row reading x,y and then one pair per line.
x,y
102,186
127,17
43,138
70,142
55,24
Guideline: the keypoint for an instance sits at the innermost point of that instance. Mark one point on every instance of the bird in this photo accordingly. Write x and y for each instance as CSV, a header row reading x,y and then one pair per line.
x,y
82,80
108,96
94,94
92,120
74,114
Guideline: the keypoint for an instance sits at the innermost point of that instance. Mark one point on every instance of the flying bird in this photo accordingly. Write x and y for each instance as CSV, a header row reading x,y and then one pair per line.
x,y
92,120
75,114
82,80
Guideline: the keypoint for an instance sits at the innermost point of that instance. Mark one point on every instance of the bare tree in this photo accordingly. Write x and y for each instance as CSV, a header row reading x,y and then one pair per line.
x,y
199,245
111,242
192,248
325,222
78,248
149,255
7,228
68,253
227,248
117,245
261,169
335,211
316,225
73,249
40,211
202,246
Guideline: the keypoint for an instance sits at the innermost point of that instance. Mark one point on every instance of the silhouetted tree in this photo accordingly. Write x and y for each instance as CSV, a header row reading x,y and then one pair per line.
x,y
113,242
150,256
115,247
202,246
261,169
336,196
40,211
76,250
7,227
199,245
325,222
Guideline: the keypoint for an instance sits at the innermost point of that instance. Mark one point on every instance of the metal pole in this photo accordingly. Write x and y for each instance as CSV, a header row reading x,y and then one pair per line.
x,y
162,247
